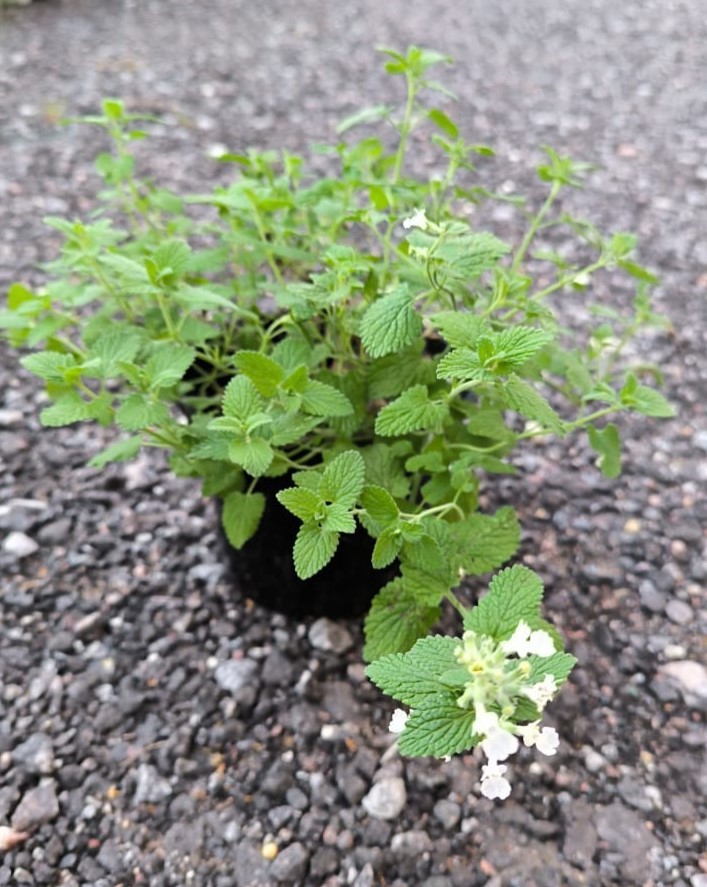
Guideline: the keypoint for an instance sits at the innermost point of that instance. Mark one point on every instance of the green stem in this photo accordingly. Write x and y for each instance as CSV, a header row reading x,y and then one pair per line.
x,y
405,129
534,226
456,603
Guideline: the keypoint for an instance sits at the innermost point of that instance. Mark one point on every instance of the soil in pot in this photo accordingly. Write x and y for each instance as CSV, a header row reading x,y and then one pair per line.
x,y
264,569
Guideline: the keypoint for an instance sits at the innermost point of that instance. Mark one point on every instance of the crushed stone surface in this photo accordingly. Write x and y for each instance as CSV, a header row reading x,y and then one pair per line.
x,y
156,730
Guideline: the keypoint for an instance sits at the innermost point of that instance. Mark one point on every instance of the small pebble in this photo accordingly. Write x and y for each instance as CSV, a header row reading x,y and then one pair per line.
x,y
19,544
386,799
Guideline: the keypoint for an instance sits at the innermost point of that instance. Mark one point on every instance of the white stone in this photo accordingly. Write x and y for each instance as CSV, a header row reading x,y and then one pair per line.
x,y
690,678
329,636
386,799
19,544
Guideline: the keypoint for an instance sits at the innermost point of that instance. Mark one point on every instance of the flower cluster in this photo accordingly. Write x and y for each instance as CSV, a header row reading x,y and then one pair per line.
x,y
499,682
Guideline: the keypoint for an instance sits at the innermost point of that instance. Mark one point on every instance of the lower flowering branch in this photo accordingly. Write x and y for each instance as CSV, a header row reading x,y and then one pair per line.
x,y
487,688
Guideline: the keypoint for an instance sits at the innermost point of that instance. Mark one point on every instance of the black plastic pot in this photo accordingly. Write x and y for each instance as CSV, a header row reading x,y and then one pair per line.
x,y
264,570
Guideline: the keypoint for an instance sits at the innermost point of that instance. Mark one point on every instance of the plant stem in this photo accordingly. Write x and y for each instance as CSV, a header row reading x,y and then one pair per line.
x,y
534,226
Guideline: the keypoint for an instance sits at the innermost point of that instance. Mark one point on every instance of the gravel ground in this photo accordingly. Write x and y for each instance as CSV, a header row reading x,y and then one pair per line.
x,y
155,730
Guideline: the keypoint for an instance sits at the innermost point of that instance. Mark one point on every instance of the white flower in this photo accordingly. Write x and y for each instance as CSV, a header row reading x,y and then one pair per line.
x,y
498,743
417,220
493,782
398,721
545,740
523,642
542,692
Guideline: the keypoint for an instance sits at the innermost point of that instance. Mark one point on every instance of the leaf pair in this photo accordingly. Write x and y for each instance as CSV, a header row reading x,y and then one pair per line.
x,y
323,501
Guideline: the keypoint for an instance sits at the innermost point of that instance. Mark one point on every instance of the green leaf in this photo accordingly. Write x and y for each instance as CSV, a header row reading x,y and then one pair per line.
x,y
168,363
321,399
254,455
241,399
462,363
291,428
514,594
380,505
172,256
384,467
338,519
112,349
241,516
365,115
387,548
136,412
389,376
516,345
486,542
263,372
525,400
443,122
390,324
437,727
68,409
301,502
49,365
120,451
411,677
343,479
460,330
652,403
607,442
412,411
314,548
559,665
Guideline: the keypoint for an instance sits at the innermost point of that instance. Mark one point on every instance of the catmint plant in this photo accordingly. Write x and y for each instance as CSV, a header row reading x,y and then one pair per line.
x,y
354,338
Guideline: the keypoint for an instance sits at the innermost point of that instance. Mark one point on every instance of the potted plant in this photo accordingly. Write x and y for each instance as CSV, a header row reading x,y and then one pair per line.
x,y
341,359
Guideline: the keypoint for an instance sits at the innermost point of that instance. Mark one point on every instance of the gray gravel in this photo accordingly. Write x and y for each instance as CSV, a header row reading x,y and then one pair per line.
x,y
153,730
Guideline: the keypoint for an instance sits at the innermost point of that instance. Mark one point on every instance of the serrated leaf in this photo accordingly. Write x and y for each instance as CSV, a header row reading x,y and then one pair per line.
x,y
468,256
412,411
338,519
390,324
437,727
410,677
112,349
69,408
263,372
241,399
241,516
343,479
136,412
314,548
299,501
516,345
308,480
120,451
652,403
525,400
607,442
254,455
384,467
486,542
391,375
559,665
387,548
321,399
460,330
291,428
514,594
49,365
462,363
168,364
380,505
172,256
